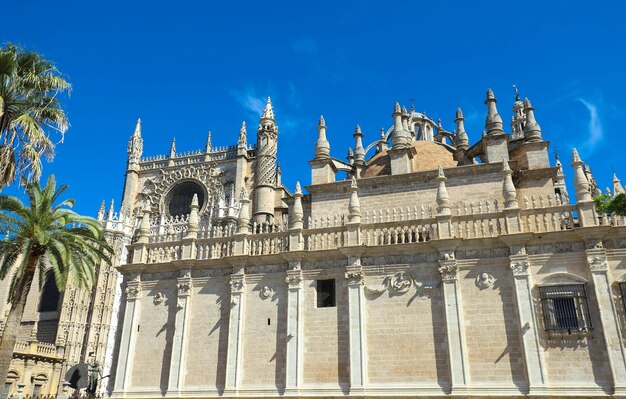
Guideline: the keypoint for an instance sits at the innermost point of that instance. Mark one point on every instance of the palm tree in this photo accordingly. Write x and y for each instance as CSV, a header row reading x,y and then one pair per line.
x,y
29,111
45,237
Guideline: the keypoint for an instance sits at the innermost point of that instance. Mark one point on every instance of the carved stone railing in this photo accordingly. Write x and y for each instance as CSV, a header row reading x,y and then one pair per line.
x,y
164,252
541,220
400,232
324,238
215,248
37,349
168,229
268,243
480,225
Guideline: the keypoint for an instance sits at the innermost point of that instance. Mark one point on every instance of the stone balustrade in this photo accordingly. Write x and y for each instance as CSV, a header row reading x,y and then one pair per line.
x,y
405,225
38,349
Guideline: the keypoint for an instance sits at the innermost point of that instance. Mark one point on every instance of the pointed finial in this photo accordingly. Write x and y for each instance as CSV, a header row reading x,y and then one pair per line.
x,y
101,211
322,122
439,123
298,188
243,135
508,188
194,200
440,175
493,123
516,93
532,131
353,184
443,203
505,166
575,156
357,130
459,113
208,144
359,151
354,206
137,132
243,194
461,140
404,111
382,132
268,111
396,108
173,148
322,146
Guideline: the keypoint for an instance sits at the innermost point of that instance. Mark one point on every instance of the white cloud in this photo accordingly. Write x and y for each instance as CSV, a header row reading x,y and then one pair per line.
x,y
250,102
596,132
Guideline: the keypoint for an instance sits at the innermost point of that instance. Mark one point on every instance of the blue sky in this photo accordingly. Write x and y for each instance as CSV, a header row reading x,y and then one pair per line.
x,y
186,68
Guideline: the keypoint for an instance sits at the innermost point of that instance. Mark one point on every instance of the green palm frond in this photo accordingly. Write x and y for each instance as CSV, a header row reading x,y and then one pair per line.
x,y
46,236
29,110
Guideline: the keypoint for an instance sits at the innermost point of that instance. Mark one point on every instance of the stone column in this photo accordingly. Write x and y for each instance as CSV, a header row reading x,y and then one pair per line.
x,y
457,348
293,366
234,355
599,270
356,325
529,333
127,343
179,343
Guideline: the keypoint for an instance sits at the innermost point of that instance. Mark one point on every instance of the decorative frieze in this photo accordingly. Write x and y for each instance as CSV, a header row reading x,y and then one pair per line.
x,y
555,248
399,259
489,253
159,276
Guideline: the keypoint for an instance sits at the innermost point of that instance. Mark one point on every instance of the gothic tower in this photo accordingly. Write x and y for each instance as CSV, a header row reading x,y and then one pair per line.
x,y
265,170
131,184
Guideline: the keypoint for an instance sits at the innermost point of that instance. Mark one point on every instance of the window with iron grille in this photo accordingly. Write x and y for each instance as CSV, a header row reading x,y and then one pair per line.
x,y
565,308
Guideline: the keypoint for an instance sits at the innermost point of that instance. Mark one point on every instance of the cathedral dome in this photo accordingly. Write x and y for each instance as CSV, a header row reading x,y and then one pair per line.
x,y
428,156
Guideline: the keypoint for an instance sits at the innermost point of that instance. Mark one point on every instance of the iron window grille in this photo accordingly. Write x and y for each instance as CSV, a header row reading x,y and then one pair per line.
x,y
565,308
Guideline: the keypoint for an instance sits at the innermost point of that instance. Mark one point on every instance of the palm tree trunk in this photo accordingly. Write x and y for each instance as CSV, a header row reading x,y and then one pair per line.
x,y
9,337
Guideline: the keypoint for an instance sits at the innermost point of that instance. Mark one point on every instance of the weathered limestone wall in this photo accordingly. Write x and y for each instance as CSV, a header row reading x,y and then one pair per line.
x,y
491,324
208,333
153,346
264,333
325,351
405,331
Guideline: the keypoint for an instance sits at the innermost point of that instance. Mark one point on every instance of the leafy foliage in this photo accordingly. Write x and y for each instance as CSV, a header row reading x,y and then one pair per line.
x,y
29,110
56,238
611,205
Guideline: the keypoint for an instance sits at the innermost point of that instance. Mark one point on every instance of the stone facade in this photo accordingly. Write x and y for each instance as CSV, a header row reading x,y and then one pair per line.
x,y
437,268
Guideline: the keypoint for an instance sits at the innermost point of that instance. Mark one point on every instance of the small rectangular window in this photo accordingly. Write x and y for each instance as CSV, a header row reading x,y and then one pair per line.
x,y
325,293
565,308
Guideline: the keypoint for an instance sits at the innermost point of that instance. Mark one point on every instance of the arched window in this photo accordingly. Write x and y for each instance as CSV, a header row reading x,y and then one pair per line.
x,y
49,300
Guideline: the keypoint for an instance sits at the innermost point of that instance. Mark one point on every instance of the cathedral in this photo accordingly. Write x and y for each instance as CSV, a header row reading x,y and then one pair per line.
x,y
433,267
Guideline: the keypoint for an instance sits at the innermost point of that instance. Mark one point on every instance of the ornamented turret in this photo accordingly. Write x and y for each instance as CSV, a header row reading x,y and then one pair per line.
x,y
135,145
242,142
359,151
111,210
581,184
617,186
322,147
532,131
493,123
265,173
508,188
401,138
461,141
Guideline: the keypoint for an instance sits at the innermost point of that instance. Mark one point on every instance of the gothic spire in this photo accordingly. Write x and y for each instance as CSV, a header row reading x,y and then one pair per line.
x,y
322,146
268,111
493,123
532,131
461,140
101,211
135,144
111,209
